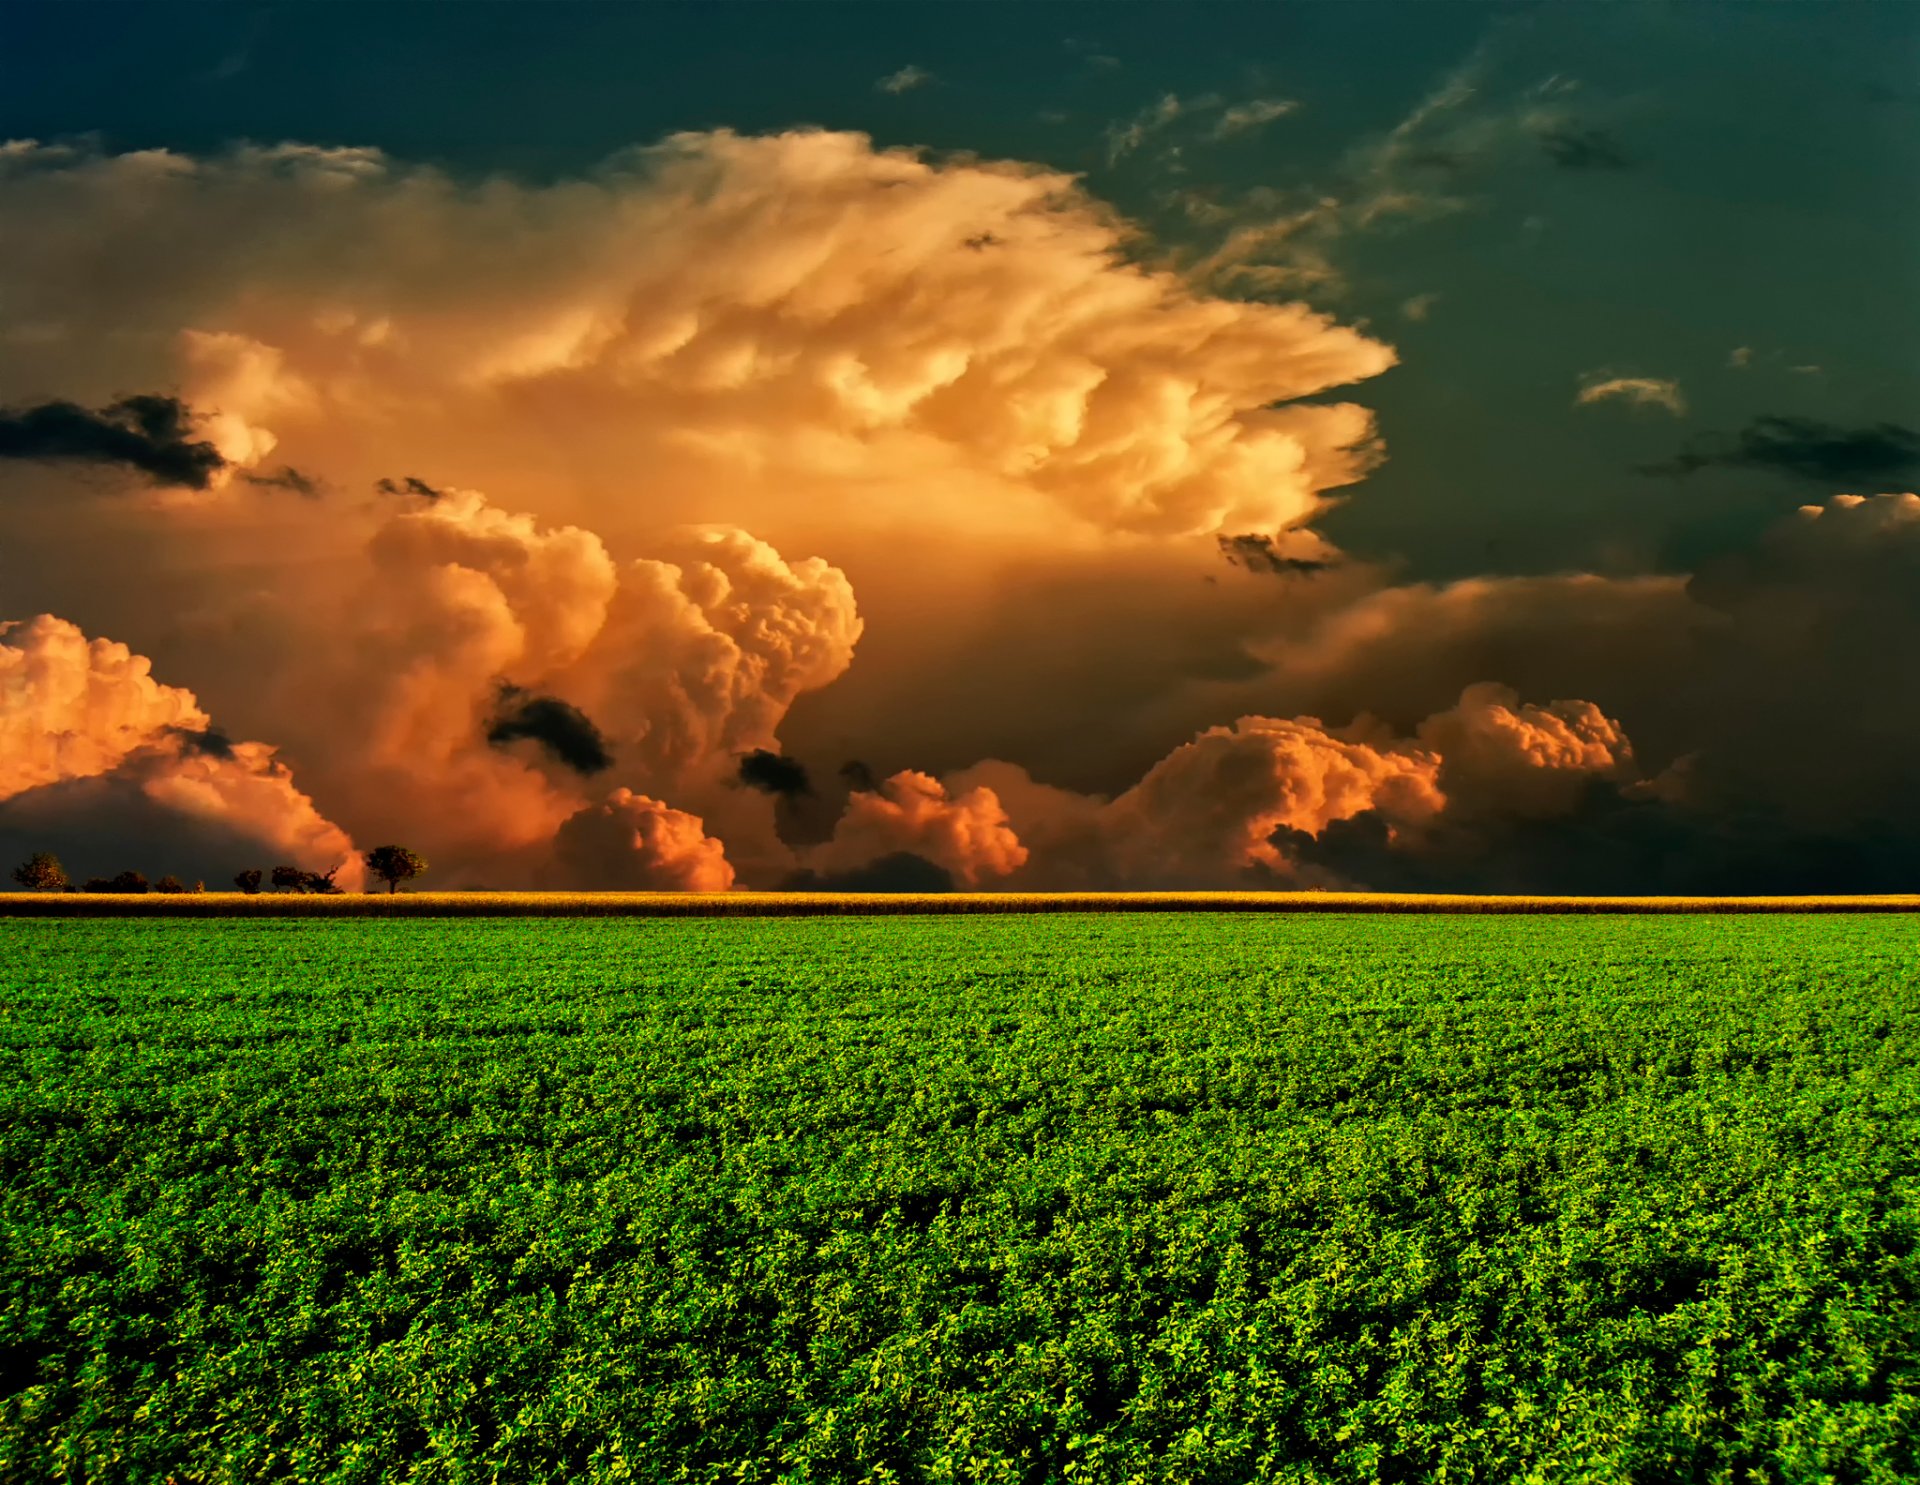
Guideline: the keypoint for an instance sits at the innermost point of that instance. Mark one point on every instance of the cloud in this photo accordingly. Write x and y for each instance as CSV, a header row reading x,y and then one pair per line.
x,y
1740,357
1579,147
965,834
1124,138
85,732
1503,757
772,773
1227,808
1643,391
1259,552
659,672
1419,306
150,434
1239,118
409,485
1803,447
286,477
902,871
562,729
904,81
631,843
744,318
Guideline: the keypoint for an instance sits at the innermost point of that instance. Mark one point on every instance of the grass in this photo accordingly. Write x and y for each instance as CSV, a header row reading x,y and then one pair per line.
x,y
867,904
1201,1197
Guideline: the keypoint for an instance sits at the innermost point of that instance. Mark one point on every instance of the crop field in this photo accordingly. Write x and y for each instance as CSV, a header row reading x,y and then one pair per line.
x,y
1217,1197
866,904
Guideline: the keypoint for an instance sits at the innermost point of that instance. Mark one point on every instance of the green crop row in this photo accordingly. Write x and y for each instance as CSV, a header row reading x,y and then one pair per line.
x,y
1210,1198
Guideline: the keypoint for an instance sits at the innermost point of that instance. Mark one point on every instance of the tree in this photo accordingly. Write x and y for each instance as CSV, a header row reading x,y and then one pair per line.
x,y
394,865
289,878
127,881
42,872
248,881
319,881
169,883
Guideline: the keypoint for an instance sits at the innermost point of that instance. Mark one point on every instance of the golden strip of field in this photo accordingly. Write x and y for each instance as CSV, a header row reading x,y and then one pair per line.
x,y
817,904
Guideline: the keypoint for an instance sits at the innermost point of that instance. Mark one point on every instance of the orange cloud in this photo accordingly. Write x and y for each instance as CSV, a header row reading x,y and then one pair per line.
x,y
71,707
1206,814
74,710
965,831
629,842
800,301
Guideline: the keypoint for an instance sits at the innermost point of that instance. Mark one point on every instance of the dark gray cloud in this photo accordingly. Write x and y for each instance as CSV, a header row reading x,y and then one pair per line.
x,y
1615,845
211,743
1574,147
151,434
409,485
286,477
858,777
561,728
900,872
1803,447
774,773
1257,552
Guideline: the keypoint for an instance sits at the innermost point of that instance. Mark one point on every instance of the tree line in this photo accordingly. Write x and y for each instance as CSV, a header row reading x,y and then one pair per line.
x,y
42,872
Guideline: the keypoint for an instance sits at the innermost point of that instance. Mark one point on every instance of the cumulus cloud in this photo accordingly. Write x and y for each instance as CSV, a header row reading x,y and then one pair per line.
x,y
629,842
85,730
1643,391
1229,807
71,707
1500,756
150,434
741,312
660,673
965,834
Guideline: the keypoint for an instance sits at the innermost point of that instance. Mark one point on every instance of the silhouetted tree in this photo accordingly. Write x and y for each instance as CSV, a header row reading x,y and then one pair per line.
x,y
319,881
289,878
127,881
169,883
248,881
42,872
394,865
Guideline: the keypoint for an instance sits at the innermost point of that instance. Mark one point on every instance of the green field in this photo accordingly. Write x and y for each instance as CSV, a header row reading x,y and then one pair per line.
x,y
1073,1197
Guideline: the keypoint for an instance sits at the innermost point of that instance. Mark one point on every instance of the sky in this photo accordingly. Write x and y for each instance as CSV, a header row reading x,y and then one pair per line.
x,y
1415,446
